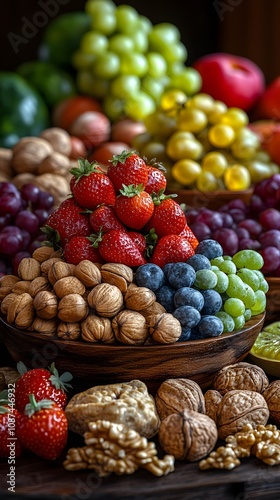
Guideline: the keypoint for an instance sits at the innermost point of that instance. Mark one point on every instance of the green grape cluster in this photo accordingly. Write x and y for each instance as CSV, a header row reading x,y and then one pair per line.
x,y
242,286
128,63
267,344
203,144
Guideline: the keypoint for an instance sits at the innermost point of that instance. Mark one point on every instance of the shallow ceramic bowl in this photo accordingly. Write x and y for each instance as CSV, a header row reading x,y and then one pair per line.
x,y
212,200
97,364
273,300
270,366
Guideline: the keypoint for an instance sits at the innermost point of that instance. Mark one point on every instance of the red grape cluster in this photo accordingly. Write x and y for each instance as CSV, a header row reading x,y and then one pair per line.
x,y
238,226
22,213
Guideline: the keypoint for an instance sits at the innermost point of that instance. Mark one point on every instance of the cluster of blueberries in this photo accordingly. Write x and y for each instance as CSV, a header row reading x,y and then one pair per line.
x,y
175,288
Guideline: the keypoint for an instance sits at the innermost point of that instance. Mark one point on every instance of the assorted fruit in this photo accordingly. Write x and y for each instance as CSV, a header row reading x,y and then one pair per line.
x,y
267,344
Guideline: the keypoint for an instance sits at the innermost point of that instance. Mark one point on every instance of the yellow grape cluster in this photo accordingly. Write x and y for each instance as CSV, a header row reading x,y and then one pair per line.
x,y
203,144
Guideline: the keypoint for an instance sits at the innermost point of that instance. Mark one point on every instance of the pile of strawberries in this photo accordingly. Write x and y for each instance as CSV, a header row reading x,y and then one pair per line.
x,y
121,215
32,417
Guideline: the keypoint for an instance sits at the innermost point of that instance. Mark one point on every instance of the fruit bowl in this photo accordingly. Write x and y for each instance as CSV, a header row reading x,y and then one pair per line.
x,y
270,366
212,200
98,364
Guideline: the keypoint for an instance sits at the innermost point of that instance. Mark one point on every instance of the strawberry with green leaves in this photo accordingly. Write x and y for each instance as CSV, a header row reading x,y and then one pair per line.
x,y
171,248
90,186
43,428
134,207
9,441
127,168
117,246
80,248
168,216
105,218
68,220
43,383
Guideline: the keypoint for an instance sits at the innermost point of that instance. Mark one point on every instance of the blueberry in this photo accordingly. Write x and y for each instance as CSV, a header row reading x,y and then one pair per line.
x,y
210,326
185,335
199,261
180,274
165,295
150,276
212,302
187,315
210,248
187,296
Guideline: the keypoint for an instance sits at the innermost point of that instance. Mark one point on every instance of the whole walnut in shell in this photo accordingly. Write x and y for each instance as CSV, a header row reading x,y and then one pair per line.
x,y
272,397
97,329
46,304
138,298
130,327
241,375
188,435
164,328
105,299
174,395
72,308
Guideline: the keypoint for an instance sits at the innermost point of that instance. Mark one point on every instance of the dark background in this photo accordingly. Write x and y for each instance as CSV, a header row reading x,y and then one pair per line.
x,y
249,28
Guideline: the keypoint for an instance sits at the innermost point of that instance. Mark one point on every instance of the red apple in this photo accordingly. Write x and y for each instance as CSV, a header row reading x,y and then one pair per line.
x,y
235,80
268,106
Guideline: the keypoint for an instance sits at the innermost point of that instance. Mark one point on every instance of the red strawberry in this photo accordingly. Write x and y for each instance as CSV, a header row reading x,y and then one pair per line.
x,y
43,383
127,168
190,236
104,217
43,428
168,216
134,207
69,219
81,248
9,442
156,179
139,240
171,248
90,186
117,246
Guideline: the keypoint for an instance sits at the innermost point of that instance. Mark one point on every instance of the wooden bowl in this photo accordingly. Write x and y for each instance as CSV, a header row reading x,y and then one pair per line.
x,y
99,364
212,200
272,300
270,366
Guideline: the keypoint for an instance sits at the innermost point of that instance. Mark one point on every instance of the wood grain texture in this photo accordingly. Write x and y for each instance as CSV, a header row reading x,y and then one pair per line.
x,y
211,200
273,300
98,364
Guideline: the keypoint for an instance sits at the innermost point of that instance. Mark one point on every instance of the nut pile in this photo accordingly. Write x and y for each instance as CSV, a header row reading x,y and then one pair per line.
x,y
87,301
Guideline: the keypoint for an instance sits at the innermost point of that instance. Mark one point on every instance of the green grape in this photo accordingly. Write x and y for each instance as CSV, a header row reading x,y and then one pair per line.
x,y
82,60
153,86
219,108
227,320
250,298
113,107
144,24
94,43
239,322
133,63
202,101
249,259
106,66
227,257
182,145
249,277
260,304
175,52
243,149
171,102
217,261
264,286
191,120
163,33
234,307
247,314
140,40
160,124
207,182
85,82
154,149
189,81
156,64
120,43
127,19
139,105
93,7
236,287
215,163
222,283
104,23
214,268
205,279
125,85
99,88
235,117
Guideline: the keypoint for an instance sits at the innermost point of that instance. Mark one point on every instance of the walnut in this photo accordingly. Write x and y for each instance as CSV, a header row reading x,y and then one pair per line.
x,y
21,286
72,308
10,374
68,331
44,253
174,395
272,396
155,308
212,399
97,329
130,327
105,299
44,326
29,269
117,274
40,284
240,376
6,301
28,154
59,139
46,264
21,311
127,403
45,304
56,163
164,328
188,435
7,282
88,273
138,298
60,269
238,408
69,284
112,447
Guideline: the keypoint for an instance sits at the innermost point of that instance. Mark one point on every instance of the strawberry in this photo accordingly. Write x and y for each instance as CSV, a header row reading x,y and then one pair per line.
x,y
127,168
43,428
90,186
139,240
43,383
69,219
168,216
117,246
134,207
171,248
9,442
81,248
190,236
104,217
156,178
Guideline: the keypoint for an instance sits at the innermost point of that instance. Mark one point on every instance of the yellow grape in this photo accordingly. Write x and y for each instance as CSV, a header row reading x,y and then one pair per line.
x,y
192,120
172,100
215,163
237,178
160,124
221,136
183,144
235,117
207,182
186,171
219,108
202,101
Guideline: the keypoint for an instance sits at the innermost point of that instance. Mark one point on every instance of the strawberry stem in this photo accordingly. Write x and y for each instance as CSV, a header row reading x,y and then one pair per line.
x,y
85,168
4,401
160,196
151,240
60,381
121,158
53,237
131,190
34,406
